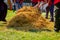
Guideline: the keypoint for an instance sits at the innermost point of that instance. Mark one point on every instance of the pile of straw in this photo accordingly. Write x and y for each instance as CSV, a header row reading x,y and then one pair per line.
x,y
28,18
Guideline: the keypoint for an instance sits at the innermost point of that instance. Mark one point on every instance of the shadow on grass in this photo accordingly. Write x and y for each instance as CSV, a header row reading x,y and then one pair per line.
x,y
28,30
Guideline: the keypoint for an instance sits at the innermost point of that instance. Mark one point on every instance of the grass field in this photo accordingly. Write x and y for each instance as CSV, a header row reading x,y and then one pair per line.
x,y
13,34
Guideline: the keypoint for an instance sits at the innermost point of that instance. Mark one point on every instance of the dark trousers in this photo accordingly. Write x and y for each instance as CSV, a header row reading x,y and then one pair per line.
x,y
3,11
51,9
57,20
13,6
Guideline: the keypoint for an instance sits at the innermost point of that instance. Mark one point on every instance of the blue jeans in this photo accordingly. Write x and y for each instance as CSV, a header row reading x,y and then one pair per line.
x,y
52,11
18,5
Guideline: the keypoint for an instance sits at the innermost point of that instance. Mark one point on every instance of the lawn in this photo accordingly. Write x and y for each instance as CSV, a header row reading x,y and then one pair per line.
x,y
13,34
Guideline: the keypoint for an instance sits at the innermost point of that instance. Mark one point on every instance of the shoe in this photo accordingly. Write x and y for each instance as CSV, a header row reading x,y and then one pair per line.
x,y
46,17
4,20
57,30
52,20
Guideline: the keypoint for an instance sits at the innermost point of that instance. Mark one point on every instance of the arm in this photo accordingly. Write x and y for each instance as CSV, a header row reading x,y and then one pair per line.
x,y
48,1
41,4
14,1
37,4
44,2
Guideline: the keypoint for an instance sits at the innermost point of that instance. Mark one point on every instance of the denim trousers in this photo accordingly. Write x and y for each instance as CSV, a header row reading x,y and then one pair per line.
x,y
18,5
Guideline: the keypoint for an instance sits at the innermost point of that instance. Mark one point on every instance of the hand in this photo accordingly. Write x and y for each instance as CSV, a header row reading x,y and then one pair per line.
x,y
35,6
39,6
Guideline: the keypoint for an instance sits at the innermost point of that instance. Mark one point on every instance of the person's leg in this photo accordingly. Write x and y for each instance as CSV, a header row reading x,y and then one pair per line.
x,y
52,12
13,6
20,6
57,17
32,4
45,5
4,13
16,6
10,5
1,14
47,11
57,20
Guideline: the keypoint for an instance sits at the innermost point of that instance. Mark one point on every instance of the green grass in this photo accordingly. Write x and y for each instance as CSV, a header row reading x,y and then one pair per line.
x,y
20,35
13,34
10,14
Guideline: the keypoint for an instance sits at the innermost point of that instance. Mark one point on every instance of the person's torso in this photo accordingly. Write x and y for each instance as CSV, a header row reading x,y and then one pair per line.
x,y
56,1
51,2
19,0
27,1
35,1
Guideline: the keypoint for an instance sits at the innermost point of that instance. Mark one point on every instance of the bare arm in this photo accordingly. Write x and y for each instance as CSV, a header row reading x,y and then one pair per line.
x,y
14,1
37,4
48,1
44,2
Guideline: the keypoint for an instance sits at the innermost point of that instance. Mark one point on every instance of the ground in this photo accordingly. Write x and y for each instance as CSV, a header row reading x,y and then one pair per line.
x,y
12,34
